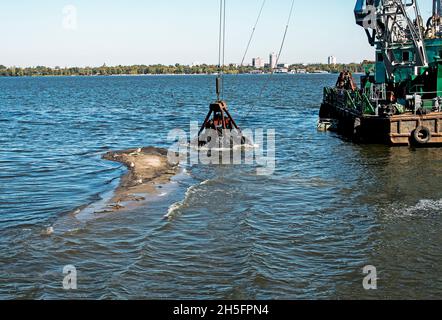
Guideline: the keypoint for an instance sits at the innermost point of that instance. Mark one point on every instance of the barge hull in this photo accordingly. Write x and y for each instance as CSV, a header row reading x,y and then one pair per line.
x,y
397,130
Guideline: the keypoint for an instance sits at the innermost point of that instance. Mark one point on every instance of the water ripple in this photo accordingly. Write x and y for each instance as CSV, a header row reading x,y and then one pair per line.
x,y
307,231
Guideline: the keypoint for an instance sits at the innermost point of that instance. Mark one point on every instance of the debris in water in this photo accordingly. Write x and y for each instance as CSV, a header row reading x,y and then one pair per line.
x,y
48,232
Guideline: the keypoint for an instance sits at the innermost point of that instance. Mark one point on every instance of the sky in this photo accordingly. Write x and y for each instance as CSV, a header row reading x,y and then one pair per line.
x,y
125,32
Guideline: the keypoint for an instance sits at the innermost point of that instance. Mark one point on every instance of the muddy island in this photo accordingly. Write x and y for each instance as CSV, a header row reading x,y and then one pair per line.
x,y
148,169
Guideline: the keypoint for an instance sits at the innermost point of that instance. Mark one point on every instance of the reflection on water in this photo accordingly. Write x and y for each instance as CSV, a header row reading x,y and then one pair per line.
x,y
307,231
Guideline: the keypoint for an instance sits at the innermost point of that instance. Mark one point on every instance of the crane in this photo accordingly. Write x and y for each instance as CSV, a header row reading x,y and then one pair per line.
x,y
434,24
400,98
391,24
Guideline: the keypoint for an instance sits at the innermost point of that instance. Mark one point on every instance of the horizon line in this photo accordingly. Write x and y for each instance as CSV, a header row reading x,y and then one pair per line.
x,y
174,64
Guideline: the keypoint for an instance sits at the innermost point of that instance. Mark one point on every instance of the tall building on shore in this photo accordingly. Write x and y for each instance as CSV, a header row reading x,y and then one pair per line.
x,y
273,60
332,60
258,63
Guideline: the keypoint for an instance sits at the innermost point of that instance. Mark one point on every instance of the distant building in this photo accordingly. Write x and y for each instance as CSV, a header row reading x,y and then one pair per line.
x,y
273,60
282,70
332,60
258,63
283,65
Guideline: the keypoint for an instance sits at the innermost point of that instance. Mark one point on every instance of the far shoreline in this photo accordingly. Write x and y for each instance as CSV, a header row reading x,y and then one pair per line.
x,y
182,70
168,75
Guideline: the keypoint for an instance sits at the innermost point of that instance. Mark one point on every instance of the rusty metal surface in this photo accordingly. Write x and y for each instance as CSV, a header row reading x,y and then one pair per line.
x,y
394,130
218,119
402,127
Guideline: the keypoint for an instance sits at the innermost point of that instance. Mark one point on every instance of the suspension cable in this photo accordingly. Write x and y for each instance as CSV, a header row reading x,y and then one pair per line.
x,y
224,48
277,59
220,33
253,33
221,50
258,18
285,32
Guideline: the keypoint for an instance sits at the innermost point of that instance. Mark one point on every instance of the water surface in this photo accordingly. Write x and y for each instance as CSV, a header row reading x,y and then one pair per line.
x,y
330,208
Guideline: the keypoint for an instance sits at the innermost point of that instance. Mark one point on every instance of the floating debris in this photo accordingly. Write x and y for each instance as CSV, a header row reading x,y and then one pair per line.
x,y
48,232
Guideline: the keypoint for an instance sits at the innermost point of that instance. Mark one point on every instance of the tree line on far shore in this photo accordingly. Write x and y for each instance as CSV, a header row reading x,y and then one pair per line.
x,y
171,69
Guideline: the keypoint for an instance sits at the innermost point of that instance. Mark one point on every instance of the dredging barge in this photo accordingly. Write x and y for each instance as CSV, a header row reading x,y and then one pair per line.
x,y
399,101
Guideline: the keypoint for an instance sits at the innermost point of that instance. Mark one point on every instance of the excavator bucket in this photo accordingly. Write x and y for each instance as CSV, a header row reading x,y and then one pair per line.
x,y
219,129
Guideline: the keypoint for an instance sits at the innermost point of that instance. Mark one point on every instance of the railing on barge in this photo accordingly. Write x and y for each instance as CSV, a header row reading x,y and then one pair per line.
x,y
354,101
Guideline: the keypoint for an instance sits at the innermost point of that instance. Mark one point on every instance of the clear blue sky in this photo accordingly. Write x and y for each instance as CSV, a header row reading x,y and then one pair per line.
x,y
177,31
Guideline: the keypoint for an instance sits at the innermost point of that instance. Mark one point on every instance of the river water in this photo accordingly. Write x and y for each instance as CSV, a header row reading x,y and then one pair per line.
x,y
305,232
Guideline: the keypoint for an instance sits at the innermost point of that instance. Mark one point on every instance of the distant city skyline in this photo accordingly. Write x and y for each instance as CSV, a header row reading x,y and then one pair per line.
x,y
84,33
332,60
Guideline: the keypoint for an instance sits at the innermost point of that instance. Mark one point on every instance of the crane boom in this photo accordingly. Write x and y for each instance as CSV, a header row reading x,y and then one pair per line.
x,y
390,24
437,8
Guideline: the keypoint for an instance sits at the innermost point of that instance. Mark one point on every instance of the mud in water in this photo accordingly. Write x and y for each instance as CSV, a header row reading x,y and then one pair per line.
x,y
149,169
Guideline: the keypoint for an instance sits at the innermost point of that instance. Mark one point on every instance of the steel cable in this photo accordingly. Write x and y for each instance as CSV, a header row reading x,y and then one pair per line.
x,y
277,59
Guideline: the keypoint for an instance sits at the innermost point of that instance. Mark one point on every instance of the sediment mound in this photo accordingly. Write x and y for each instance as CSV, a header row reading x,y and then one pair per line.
x,y
148,167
